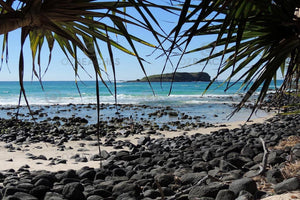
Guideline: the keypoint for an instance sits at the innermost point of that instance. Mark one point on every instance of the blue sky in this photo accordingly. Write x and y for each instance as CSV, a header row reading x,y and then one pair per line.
x,y
127,67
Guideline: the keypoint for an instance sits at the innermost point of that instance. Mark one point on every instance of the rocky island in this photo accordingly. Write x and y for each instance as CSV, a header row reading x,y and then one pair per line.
x,y
179,77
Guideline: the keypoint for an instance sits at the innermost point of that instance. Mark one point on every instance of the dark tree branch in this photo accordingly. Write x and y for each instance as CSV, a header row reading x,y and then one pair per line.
x,y
262,168
6,7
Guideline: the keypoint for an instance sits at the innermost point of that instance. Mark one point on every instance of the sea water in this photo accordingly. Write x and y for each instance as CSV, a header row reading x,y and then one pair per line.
x,y
186,97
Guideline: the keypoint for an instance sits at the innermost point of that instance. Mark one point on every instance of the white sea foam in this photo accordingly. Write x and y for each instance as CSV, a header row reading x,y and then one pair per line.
x,y
121,98
128,93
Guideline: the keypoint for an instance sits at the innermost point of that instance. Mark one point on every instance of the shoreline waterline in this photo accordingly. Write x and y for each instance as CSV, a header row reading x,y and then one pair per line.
x,y
166,114
141,143
62,155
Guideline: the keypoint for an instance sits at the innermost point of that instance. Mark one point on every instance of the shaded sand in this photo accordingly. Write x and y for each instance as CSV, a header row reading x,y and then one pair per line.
x,y
19,158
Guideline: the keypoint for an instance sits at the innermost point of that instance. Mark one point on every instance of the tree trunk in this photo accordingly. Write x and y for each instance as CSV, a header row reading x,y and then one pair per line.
x,y
13,21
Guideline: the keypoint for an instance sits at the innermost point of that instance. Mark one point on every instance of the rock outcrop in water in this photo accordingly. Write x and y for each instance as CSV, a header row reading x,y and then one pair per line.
x,y
179,77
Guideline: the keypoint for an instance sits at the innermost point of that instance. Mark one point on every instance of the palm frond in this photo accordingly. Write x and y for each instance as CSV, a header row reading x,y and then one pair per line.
x,y
256,39
78,26
69,23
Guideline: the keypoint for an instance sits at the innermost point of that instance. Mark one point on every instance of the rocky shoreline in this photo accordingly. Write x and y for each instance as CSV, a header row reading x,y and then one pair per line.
x,y
112,117
216,166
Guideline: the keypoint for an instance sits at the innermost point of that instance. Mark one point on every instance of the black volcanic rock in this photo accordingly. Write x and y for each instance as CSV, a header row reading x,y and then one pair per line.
x,y
179,77
73,191
246,184
182,167
287,185
210,190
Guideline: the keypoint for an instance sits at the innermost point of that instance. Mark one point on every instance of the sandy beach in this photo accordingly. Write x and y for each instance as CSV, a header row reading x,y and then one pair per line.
x,y
53,158
150,100
286,196
18,158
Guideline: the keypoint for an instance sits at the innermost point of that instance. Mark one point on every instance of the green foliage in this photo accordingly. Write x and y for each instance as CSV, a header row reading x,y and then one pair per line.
x,y
77,26
179,77
295,112
253,40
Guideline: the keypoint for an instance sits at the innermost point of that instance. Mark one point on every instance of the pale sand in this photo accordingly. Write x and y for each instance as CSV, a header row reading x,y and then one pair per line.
x,y
287,196
229,125
19,158
51,151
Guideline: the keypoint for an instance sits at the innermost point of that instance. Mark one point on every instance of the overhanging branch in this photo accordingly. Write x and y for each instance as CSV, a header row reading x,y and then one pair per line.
x,y
6,7
12,21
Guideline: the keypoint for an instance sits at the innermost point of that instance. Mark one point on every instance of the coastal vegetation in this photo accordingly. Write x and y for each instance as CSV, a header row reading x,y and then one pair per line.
x,y
77,26
253,39
177,77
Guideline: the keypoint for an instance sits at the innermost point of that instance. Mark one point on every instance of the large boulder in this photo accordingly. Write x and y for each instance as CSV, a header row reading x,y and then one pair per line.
x,y
287,185
246,184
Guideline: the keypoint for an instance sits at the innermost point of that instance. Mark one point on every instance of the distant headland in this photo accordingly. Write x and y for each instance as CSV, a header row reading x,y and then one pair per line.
x,y
179,77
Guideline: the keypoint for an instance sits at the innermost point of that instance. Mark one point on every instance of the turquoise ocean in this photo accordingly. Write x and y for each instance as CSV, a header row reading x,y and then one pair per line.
x,y
186,97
